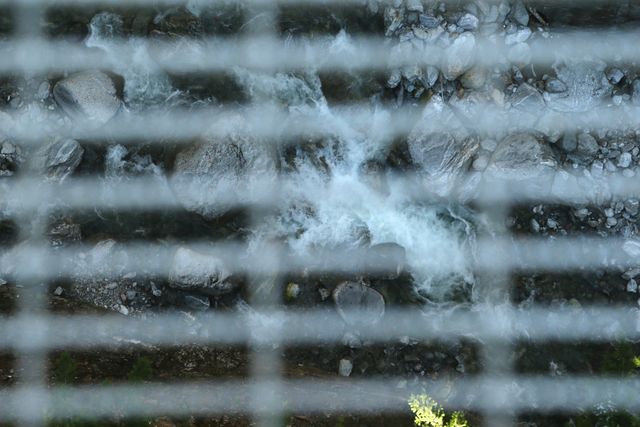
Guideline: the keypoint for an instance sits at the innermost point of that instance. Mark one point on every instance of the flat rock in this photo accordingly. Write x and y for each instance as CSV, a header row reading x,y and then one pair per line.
x,y
521,156
60,159
89,97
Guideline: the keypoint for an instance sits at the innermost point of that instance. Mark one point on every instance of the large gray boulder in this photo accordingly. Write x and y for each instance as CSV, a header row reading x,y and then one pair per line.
x,y
191,270
89,97
441,157
223,172
459,56
521,157
587,86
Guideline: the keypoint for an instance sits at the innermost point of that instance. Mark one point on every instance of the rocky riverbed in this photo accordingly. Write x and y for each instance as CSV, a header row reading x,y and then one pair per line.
x,y
338,191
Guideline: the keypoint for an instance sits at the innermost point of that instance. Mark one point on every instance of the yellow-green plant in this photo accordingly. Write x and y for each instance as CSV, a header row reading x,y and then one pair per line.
x,y
636,361
428,413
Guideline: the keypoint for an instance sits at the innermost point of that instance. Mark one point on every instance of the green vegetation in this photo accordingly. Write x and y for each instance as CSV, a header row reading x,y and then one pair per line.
x,y
64,369
141,371
428,413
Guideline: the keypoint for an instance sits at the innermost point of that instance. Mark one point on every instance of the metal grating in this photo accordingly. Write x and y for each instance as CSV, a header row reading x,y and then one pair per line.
x,y
498,393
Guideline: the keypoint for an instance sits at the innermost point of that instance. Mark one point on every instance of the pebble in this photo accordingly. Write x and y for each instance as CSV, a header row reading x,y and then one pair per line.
x,y
581,213
292,292
630,274
520,13
624,160
415,6
555,86
155,290
519,36
552,223
632,286
611,221
123,310
614,75
480,163
345,367
587,145
608,212
468,22
535,226
610,166
3,282
631,206
58,291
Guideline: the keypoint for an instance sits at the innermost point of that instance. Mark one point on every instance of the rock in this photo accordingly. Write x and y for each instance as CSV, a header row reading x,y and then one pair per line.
x,y
430,76
520,54
192,270
428,21
489,144
521,156
635,97
415,6
358,304
569,142
345,367
480,163
196,302
474,78
632,286
60,159
8,148
587,145
614,75
555,86
394,78
520,14
459,56
527,98
89,97
59,291
631,206
221,173
587,86
3,282
468,22
292,291
624,160
520,36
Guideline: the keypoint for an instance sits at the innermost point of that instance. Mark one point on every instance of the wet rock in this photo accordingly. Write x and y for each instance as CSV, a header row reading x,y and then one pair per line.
x,y
521,156
89,97
624,160
60,159
632,286
460,56
192,270
358,304
223,173
468,22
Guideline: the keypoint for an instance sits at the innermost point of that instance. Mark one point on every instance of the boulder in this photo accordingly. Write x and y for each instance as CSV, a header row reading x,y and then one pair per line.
x,y
222,173
459,56
191,270
89,97
358,304
520,157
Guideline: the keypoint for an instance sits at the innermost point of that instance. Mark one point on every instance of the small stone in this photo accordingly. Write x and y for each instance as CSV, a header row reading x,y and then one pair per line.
x,y
631,273
111,286
345,367
428,21
123,310
292,292
157,292
632,286
631,206
394,79
581,213
468,22
358,304
608,212
535,226
43,91
324,293
552,223
58,291
129,276
611,221
196,302
520,14
480,163
555,86
569,142
624,160
587,145
430,76
519,36
7,148
614,75
131,294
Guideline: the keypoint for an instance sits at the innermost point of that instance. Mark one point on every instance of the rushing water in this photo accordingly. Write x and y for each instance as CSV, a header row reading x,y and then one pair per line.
x,y
330,202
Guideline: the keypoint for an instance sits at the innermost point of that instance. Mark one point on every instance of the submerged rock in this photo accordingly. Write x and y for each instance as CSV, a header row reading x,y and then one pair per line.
x,y
192,270
89,96
358,304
